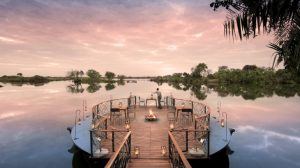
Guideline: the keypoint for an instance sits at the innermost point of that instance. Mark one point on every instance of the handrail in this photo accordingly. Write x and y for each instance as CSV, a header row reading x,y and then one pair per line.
x,y
114,158
208,110
95,109
183,162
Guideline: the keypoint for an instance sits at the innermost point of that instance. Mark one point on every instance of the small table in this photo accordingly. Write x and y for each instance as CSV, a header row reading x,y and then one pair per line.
x,y
151,99
120,108
183,109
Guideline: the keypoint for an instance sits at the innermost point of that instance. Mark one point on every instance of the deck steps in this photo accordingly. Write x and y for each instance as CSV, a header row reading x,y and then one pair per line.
x,y
149,163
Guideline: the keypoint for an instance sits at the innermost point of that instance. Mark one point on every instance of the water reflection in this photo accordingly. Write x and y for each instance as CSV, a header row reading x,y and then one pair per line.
x,y
252,92
247,92
33,121
75,88
110,86
93,87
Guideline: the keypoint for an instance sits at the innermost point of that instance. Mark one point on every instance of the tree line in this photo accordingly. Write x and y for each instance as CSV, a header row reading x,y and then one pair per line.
x,y
249,74
93,76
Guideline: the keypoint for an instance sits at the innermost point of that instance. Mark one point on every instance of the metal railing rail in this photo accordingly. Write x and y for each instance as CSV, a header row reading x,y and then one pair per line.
x,y
177,158
122,155
99,126
104,108
198,138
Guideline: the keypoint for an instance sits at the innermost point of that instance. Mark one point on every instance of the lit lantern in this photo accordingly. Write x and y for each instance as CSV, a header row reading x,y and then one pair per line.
x,y
127,125
136,151
222,122
92,126
171,126
163,150
202,140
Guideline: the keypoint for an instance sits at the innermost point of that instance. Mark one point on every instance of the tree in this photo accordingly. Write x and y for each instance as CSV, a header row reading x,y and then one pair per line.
x,y
93,75
249,67
19,74
223,67
249,17
110,75
199,70
75,75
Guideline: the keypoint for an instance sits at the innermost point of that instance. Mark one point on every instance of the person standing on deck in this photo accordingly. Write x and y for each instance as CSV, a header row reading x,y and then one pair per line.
x,y
158,98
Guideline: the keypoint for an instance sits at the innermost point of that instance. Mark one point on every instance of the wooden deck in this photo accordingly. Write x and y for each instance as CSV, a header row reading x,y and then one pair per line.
x,y
150,136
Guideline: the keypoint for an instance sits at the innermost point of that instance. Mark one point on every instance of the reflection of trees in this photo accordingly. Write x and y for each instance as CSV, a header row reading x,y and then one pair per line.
x,y
109,86
75,88
93,87
251,92
121,82
199,92
247,91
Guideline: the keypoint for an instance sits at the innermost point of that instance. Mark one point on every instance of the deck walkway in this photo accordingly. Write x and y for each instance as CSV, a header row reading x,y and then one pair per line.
x,y
149,163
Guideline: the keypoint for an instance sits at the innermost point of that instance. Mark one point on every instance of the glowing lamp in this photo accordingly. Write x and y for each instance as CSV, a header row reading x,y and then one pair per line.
x,y
163,150
222,122
127,125
171,126
136,151
92,126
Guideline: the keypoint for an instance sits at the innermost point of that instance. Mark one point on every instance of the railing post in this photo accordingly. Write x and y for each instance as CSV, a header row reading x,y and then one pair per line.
x,y
97,109
105,128
195,134
129,146
169,139
208,142
113,141
91,143
186,140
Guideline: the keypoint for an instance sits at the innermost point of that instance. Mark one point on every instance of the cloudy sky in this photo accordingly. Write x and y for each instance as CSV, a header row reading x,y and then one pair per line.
x,y
131,37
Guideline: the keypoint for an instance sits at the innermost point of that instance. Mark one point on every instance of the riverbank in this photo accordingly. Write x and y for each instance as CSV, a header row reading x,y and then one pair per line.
x,y
31,80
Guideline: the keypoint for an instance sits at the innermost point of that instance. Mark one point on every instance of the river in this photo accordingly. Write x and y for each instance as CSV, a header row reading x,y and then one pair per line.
x,y
33,122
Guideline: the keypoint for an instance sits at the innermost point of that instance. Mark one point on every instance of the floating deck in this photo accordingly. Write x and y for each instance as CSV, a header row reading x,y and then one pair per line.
x,y
149,136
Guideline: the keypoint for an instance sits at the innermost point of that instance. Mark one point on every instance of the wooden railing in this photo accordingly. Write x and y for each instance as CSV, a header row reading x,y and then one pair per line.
x,y
177,158
122,155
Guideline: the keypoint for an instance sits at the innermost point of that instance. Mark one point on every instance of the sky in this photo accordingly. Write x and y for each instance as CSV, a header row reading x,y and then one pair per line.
x,y
130,37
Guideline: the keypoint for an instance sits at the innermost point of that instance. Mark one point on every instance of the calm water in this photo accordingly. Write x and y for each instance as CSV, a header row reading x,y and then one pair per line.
x,y
33,122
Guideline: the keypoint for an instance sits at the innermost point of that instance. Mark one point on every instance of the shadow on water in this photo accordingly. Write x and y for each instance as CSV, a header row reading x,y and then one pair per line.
x,y
219,160
81,160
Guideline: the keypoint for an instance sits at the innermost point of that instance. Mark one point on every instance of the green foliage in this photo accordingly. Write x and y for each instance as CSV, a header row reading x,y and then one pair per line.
x,y
199,71
249,17
75,75
110,75
19,79
93,75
